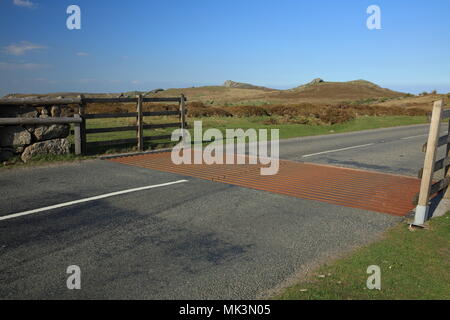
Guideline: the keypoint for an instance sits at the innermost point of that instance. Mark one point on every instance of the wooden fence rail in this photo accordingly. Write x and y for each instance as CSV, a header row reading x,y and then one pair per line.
x,y
427,187
130,114
80,131
139,115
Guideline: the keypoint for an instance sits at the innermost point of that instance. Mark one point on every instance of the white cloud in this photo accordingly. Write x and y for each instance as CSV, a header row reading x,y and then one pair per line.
x,y
21,66
18,49
24,3
82,54
135,82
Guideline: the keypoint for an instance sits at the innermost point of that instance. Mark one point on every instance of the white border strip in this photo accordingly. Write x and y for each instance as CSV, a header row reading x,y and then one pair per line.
x,y
107,195
412,137
337,150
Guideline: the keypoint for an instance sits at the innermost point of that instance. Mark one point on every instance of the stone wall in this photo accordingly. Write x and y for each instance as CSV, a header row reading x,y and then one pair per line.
x,y
27,141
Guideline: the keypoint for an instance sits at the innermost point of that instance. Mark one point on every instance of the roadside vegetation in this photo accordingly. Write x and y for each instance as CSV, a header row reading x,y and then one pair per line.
x,y
316,108
295,120
414,265
15,162
292,120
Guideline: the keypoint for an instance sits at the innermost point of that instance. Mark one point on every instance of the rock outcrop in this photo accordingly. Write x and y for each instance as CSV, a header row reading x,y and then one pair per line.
x,y
49,147
154,91
14,136
241,85
51,132
309,84
316,80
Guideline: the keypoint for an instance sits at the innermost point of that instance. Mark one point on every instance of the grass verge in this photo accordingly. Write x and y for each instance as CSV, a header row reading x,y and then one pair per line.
x,y
41,160
290,130
302,130
414,265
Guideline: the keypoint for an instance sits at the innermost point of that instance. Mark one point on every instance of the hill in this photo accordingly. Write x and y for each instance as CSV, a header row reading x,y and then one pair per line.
x,y
356,89
317,91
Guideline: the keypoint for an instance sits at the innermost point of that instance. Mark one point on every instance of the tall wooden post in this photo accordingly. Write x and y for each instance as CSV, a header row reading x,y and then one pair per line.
x,y
77,135
182,115
428,167
140,121
81,113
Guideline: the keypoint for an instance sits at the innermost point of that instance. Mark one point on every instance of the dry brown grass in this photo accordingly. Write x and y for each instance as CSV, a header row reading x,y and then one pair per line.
x,y
301,113
419,102
302,109
216,95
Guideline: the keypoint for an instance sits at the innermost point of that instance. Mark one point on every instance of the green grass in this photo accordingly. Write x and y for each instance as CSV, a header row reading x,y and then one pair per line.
x,y
414,265
286,130
296,130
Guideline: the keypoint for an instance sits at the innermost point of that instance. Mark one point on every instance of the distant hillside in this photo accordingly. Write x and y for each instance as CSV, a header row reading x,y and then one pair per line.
x,y
317,91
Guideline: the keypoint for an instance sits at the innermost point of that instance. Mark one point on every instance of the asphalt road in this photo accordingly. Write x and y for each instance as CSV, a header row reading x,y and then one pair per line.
x,y
191,240
392,150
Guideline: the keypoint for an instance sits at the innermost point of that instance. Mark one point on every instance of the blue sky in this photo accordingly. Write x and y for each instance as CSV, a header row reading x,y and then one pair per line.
x,y
145,44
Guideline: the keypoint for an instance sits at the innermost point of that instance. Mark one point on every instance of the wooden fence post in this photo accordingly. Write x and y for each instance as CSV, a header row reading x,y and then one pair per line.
x,y
182,115
140,128
81,113
77,135
428,167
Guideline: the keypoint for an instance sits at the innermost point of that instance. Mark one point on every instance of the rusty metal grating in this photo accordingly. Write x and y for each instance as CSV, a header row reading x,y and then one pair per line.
x,y
374,191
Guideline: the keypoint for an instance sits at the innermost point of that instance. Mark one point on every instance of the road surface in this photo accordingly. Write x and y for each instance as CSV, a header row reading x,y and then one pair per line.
x,y
189,239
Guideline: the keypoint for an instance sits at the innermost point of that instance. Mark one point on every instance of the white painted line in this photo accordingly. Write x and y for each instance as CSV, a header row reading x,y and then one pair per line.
x,y
337,150
70,203
412,137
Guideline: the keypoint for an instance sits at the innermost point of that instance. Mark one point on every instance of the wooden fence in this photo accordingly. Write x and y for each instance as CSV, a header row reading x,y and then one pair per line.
x,y
79,120
428,186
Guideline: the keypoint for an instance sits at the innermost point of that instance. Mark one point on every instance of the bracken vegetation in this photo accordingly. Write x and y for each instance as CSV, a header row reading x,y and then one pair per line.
x,y
302,113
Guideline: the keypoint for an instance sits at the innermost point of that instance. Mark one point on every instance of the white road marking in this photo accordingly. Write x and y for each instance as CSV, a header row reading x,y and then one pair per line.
x,y
412,137
337,150
70,203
